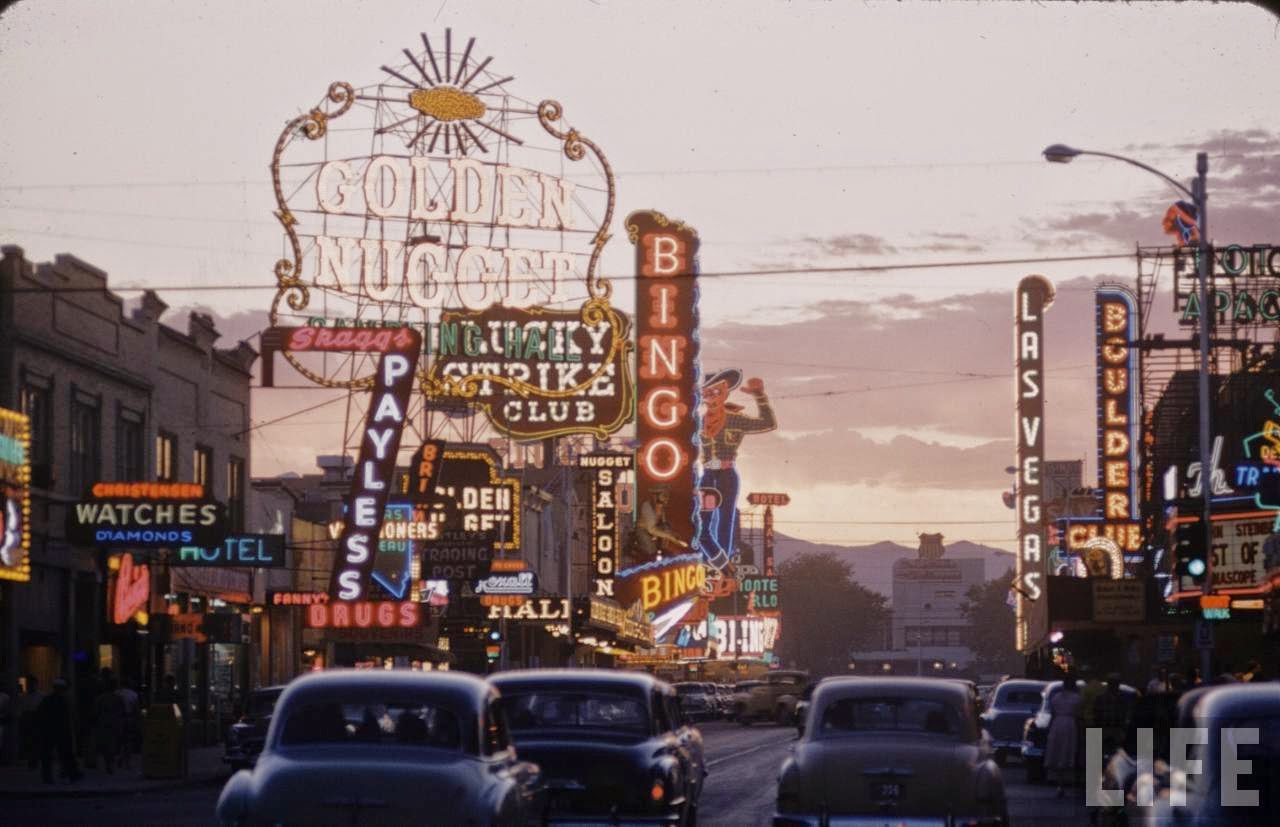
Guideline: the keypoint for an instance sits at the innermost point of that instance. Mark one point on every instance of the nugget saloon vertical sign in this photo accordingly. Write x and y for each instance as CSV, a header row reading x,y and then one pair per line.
x,y
1032,299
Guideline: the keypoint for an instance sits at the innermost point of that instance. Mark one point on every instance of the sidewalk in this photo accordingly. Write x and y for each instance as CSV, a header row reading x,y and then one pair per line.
x,y
204,766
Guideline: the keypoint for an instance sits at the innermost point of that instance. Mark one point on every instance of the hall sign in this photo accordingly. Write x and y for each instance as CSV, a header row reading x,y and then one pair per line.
x,y
535,609
150,515
238,550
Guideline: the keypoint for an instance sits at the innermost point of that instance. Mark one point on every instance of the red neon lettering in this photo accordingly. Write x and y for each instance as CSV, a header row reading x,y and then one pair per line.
x,y
408,614
664,255
317,616
663,297
364,615
341,616
654,455
133,588
300,338
667,350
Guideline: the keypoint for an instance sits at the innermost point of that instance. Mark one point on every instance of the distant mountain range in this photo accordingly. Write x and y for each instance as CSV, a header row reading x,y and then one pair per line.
x,y
873,565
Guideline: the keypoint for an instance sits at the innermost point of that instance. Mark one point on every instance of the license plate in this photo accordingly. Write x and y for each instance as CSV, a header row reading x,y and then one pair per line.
x,y
882,791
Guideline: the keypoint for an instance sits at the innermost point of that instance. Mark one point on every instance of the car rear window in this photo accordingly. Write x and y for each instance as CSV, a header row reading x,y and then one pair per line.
x,y
1019,697
690,689
890,715
261,704
570,709
406,724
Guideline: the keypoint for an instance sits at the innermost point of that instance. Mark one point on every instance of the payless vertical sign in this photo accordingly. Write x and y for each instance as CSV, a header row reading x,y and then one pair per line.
x,y
666,322
376,463
1033,298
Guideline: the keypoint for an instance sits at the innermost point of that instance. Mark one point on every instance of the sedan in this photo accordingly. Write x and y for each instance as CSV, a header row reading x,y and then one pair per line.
x,y
614,747
890,751
245,737
384,747
698,701
1012,703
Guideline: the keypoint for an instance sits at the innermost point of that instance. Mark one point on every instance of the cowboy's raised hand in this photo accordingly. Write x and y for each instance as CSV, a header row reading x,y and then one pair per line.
x,y
754,386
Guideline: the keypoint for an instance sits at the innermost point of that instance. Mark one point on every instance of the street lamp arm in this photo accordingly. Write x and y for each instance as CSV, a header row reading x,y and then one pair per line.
x,y
1172,182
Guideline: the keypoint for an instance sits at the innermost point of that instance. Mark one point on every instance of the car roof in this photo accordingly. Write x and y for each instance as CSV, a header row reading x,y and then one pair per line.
x,y
454,688
1235,700
578,677
856,687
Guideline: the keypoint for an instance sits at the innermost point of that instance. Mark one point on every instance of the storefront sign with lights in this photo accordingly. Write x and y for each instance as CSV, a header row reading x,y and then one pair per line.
x,y
130,589
296,598
580,373
374,471
1251,270
605,470
1119,421
533,609
15,496
662,583
364,614
746,636
476,497
1032,298
462,204
237,550
147,515
667,419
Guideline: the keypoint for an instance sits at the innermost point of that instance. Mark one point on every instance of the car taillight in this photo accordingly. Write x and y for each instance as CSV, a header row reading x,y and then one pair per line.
x,y
658,791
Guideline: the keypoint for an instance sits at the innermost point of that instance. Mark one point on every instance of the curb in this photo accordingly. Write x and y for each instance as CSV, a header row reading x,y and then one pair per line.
x,y
62,789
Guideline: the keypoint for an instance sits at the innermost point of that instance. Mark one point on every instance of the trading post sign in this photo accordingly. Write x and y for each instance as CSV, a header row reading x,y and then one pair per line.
x,y
668,426
441,192
146,515
1032,298
458,555
15,496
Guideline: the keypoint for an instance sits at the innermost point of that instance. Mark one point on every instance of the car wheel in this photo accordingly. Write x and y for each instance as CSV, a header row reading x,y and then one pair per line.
x,y
782,717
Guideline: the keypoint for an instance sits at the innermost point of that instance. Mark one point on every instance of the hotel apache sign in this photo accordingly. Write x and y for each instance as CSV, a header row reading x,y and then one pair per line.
x,y
1032,298
437,193
146,515
15,496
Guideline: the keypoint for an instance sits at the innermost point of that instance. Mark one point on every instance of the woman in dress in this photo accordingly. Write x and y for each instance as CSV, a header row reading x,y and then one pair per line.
x,y
1060,750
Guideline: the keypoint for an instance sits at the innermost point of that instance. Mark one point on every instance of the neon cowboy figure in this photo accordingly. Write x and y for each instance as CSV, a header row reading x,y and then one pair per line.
x,y
723,426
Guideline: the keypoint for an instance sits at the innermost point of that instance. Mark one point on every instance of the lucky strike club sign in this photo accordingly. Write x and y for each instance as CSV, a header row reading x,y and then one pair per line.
x,y
441,204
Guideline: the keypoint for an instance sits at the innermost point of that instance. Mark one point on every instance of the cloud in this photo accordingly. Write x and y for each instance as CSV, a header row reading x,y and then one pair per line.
x,y
849,243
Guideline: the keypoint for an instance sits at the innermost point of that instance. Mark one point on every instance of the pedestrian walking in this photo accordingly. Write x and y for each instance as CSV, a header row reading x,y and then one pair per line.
x,y
1060,749
108,723
53,720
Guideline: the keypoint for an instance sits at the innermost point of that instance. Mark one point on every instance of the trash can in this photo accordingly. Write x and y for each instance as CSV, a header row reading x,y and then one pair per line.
x,y
164,749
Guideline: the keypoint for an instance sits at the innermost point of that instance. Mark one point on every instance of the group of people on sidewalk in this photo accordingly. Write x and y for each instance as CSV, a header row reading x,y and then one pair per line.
x,y
1077,708
106,724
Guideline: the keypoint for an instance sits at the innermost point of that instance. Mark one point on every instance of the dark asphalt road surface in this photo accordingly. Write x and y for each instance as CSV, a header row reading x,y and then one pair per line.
x,y
739,792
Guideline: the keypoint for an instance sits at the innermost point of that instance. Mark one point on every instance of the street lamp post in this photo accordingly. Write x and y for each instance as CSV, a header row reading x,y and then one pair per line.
x,y
1061,154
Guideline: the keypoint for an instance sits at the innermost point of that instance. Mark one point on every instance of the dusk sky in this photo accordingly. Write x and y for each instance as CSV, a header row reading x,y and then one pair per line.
x,y
137,136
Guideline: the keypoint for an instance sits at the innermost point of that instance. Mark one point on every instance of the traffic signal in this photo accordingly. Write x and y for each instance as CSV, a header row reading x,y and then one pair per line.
x,y
492,643
1189,555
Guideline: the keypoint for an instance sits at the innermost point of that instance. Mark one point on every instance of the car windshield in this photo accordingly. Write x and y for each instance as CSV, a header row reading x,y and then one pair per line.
x,y
411,723
574,709
690,689
890,715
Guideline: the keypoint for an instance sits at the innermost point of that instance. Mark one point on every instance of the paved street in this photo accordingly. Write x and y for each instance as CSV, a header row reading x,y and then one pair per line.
x,y
740,792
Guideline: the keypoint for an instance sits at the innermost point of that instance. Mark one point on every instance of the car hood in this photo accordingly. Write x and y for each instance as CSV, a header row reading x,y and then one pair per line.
x,y
937,777
400,787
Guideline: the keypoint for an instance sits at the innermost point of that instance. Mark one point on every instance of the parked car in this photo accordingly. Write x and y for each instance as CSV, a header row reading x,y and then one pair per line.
x,y
697,701
385,747
1035,734
613,746
774,699
724,696
890,751
245,736
802,706
741,691
1222,711
1012,704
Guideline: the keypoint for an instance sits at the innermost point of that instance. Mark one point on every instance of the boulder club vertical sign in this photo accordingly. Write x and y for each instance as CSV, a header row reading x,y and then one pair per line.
x,y
376,463
1119,423
667,422
1033,298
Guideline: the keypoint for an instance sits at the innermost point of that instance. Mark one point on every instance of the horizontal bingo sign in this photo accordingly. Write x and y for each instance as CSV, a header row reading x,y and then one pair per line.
x,y
146,523
238,550
458,555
